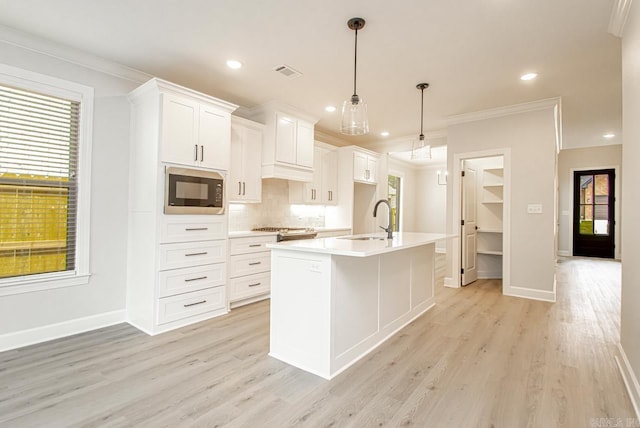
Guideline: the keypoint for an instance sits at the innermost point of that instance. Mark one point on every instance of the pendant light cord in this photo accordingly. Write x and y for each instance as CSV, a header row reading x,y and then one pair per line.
x,y
355,64
421,113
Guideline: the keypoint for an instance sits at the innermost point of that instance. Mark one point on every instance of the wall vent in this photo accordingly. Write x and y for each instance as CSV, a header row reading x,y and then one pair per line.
x,y
287,71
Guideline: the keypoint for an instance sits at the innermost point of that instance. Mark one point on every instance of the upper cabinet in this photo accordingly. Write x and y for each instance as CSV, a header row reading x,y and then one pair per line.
x,y
322,189
245,179
194,128
365,167
194,132
288,147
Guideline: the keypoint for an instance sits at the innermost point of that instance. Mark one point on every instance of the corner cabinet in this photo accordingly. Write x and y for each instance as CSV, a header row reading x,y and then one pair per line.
x,y
245,178
365,167
176,264
288,146
323,187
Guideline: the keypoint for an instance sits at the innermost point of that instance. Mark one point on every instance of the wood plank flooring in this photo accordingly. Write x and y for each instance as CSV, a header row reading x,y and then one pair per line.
x,y
476,359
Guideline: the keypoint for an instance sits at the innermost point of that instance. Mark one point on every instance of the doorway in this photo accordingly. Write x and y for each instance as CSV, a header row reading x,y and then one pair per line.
x,y
395,199
594,213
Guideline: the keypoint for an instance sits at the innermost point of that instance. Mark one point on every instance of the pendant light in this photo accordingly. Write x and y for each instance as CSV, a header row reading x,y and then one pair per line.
x,y
354,109
420,149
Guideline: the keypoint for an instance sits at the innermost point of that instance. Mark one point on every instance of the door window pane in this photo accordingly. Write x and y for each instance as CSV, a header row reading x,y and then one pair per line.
x,y
586,189
586,220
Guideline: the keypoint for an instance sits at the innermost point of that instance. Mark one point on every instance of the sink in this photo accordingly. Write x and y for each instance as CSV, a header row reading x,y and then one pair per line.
x,y
364,238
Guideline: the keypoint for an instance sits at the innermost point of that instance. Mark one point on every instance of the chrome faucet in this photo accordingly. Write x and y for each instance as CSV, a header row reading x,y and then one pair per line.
x,y
388,228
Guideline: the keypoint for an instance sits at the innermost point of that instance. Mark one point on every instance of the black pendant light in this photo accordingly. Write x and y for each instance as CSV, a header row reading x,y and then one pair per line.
x,y
420,149
354,109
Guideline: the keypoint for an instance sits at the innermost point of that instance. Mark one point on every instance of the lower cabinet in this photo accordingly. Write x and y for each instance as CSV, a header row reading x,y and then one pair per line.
x,y
249,269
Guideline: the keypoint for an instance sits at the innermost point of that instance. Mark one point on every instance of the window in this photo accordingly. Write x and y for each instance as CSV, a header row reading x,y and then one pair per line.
x,y
44,181
394,200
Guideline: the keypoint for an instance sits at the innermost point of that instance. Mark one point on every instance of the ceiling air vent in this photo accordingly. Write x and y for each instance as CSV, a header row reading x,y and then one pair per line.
x,y
287,71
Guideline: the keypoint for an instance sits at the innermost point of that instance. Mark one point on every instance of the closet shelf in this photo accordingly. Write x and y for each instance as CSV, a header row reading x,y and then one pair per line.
x,y
489,252
483,230
492,202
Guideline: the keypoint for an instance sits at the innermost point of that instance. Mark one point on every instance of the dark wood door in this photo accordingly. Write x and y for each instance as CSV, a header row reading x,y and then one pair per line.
x,y
593,213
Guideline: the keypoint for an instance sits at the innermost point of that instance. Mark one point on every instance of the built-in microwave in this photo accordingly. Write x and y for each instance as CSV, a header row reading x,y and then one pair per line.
x,y
192,191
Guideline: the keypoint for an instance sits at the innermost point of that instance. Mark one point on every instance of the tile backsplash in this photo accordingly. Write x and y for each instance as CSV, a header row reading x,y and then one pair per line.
x,y
274,210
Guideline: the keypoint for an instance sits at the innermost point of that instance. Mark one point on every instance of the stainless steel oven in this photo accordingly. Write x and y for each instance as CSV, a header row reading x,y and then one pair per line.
x,y
193,191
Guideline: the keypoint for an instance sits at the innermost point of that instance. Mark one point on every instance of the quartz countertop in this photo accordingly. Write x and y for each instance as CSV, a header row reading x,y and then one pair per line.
x,y
343,246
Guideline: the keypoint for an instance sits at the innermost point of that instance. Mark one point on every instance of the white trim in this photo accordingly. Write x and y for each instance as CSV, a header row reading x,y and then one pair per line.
x,y
504,111
85,96
530,293
629,378
616,207
42,46
506,212
618,18
564,253
55,331
449,282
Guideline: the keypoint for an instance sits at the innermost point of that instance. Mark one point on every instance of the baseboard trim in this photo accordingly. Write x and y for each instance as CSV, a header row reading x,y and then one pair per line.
x,y
488,274
564,253
629,378
32,336
530,293
449,282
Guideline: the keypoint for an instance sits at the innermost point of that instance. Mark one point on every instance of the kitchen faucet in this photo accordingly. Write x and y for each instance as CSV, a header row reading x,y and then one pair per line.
x,y
388,228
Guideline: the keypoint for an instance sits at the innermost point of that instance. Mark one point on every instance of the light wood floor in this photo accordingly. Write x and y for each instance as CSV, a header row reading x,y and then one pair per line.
x,y
476,359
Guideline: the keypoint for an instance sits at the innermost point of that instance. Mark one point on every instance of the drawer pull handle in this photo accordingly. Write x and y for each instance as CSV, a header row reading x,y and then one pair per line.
x,y
195,279
189,229
254,263
196,254
255,285
196,303
255,245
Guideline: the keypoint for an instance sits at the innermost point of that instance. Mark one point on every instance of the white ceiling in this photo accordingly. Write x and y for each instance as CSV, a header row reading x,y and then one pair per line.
x,y
472,52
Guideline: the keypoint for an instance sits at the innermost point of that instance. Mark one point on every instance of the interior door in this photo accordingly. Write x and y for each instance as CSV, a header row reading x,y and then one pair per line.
x,y
593,213
469,226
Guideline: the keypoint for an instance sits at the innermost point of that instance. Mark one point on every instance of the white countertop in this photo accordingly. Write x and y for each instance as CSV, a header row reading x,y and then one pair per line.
x,y
246,233
360,248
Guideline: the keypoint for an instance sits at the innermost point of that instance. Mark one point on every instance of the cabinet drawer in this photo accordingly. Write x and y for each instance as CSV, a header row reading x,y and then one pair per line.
x,y
192,254
246,264
178,281
249,286
177,228
186,305
251,244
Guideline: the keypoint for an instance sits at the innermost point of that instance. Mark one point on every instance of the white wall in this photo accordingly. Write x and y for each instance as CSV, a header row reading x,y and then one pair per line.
x,y
630,316
583,159
531,138
105,292
431,202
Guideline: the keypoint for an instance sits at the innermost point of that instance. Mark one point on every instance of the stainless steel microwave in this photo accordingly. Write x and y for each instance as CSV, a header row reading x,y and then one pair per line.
x,y
192,191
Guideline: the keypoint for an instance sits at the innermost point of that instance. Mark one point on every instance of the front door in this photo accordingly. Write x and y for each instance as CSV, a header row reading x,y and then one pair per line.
x,y
593,215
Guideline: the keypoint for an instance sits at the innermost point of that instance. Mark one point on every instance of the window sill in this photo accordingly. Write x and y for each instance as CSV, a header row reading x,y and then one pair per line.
x,y
42,282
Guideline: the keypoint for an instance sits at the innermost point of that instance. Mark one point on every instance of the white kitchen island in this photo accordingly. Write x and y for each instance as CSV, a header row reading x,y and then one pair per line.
x,y
334,300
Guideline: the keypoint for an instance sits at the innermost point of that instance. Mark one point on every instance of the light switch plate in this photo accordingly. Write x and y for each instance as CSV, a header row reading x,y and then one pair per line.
x,y
534,209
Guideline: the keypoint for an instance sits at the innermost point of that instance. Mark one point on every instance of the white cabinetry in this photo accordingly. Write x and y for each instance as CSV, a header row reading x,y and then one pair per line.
x,y
288,142
194,132
322,189
365,167
177,264
249,269
245,178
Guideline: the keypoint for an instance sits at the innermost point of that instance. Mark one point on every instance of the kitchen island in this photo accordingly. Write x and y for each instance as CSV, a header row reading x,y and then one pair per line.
x,y
334,300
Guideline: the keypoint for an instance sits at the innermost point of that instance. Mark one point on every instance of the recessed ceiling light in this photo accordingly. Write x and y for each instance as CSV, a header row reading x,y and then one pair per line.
x,y
385,133
529,76
330,109
609,135
233,64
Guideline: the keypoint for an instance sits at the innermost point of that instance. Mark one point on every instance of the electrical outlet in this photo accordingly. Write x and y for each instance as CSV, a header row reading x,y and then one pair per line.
x,y
534,209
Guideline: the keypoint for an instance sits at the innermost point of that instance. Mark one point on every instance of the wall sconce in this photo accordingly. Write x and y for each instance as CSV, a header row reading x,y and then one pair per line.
x,y
442,177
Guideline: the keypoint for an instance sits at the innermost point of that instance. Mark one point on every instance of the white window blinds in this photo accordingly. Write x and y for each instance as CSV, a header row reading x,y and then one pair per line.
x,y
38,182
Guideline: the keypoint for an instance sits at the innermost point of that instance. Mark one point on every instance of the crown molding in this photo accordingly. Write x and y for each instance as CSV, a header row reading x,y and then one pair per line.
x,y
49,48
618,17
504,111
331,139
